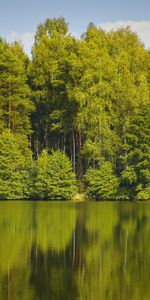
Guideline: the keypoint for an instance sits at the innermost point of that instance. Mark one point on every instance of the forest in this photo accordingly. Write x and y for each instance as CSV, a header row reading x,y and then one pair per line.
x,y
75,117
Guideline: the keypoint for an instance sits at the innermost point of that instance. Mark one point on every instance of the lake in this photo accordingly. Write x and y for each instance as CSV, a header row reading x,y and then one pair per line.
x,y
66,251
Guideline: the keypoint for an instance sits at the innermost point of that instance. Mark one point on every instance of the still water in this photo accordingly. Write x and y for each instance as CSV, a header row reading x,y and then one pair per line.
x,y
64,251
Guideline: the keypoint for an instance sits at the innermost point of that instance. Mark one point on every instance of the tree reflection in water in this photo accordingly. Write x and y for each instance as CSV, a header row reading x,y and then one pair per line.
x,y
84,251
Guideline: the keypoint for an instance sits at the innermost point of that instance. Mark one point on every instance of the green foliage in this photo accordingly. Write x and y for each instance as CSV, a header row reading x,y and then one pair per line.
x,y
48,77
87,93
144,194
15,103
101,184
55,178
91,153
136,175
90,98
15,161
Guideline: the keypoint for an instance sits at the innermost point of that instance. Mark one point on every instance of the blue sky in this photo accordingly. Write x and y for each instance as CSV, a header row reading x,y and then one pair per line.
x,y
19,19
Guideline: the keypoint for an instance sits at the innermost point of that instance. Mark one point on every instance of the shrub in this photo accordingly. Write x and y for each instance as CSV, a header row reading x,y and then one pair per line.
x,y
55,178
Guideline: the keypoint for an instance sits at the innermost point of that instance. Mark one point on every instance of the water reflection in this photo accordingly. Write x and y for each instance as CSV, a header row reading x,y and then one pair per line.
x,y
84,251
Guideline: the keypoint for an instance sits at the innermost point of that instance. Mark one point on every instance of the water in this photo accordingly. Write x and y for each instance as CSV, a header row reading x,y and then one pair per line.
x,y
64,251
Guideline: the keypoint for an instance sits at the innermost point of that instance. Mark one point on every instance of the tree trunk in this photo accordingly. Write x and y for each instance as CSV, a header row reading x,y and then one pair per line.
x,y
79,143
9,107
9,115
73,151
46,136
64,143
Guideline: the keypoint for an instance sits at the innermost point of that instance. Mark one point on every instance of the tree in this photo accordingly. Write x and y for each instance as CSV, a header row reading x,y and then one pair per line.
x,y
91,98
144,194
135,178
101,183
48,78
15,103
129,86
55,179
15,165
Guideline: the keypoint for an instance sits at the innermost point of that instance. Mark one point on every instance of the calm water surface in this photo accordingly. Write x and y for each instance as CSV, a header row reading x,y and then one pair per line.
x,y
64,251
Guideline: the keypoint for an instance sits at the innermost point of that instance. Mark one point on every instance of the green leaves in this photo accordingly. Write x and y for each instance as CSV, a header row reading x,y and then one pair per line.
x,y
15,162
91,100
136,172
101,183
15,104
55,179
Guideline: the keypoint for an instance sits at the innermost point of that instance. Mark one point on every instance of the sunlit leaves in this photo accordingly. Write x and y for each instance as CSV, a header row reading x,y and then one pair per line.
x,y
55,178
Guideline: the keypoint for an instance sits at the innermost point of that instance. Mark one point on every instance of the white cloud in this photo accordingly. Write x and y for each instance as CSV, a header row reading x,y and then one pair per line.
x,y
142,28
27,39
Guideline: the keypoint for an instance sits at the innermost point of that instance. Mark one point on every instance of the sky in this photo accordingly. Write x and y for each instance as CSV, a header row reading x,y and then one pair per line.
x,y
19,19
